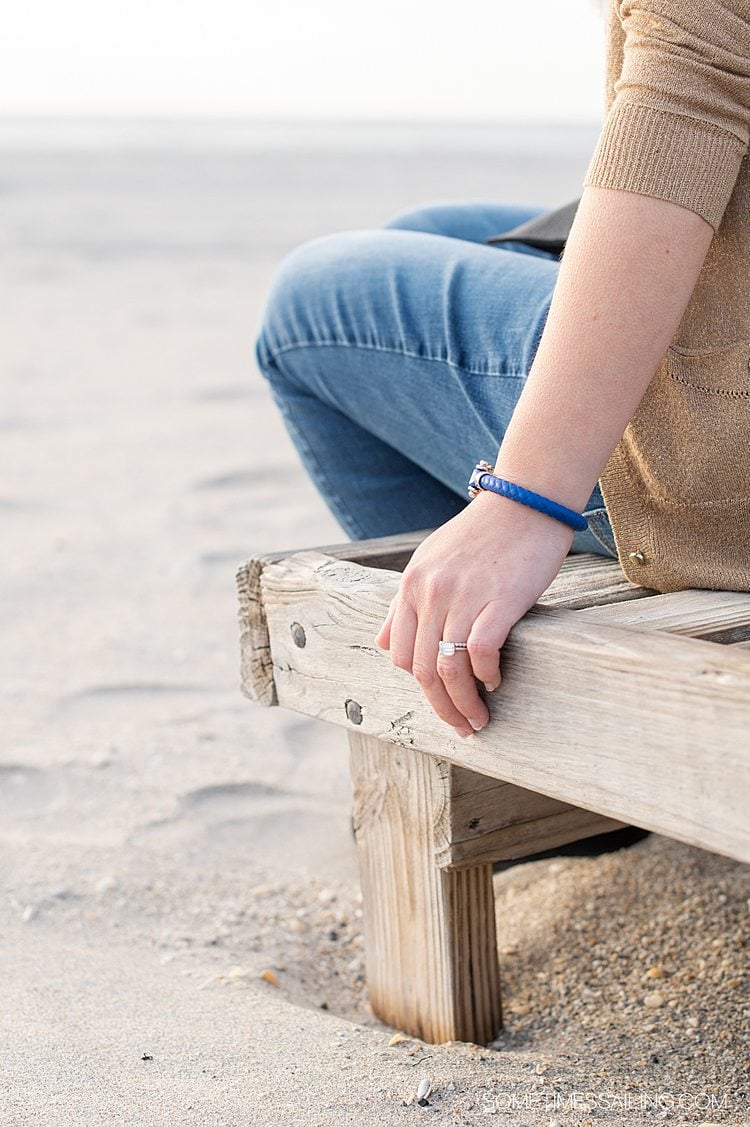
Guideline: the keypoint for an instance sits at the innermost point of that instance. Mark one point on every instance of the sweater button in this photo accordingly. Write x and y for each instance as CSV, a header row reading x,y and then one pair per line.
x,y
637,556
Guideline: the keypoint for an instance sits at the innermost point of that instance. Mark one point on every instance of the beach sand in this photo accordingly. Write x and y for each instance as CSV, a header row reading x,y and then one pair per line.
x,y
180,920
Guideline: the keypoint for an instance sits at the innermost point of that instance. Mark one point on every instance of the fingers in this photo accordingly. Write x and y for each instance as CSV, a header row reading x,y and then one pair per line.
x,y
402,633
457,676
486,639
448,682
424,669
383,637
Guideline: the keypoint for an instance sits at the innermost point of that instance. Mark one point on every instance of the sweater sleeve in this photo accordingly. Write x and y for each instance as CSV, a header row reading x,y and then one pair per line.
x,y
679,124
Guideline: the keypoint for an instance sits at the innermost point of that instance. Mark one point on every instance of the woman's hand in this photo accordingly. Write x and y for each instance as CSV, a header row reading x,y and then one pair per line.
x,y
470,581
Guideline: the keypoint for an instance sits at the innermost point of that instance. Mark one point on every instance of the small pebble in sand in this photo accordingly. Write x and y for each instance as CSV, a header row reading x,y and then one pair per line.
x,y
653,1000
423,1091
30,913
239,972
269,976
519,1008
397,1038
655,972
105,884
260,890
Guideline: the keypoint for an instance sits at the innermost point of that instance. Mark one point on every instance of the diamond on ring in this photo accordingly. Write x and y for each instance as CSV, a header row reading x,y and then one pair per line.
x,y
447,649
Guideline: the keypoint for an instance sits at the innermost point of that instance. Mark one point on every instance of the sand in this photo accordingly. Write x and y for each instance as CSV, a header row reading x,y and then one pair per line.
x,y
180,920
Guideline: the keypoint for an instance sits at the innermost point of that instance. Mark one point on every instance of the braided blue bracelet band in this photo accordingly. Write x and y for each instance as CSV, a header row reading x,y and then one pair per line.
x,y
484,478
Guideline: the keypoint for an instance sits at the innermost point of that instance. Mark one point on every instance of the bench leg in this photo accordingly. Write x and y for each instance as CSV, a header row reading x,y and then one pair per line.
x,y
430,943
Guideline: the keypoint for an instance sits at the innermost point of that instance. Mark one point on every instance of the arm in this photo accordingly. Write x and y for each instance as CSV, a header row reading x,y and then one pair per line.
x,y
657,186
630,265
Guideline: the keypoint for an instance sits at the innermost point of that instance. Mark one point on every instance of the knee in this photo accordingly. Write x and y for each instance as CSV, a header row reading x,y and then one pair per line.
x,y
310,289
286,312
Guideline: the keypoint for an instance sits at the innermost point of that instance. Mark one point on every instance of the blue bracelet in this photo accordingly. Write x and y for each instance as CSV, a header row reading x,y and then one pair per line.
x,y
484,478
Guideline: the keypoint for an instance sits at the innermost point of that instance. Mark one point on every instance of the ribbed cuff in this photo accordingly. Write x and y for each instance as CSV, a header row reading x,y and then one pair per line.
x,y
671,156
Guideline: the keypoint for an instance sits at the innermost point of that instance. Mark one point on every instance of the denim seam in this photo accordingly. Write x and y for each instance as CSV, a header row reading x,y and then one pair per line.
x,y
520,374
343,514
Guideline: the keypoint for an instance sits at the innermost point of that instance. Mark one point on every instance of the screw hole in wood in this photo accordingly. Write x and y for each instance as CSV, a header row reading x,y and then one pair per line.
x,y
298,635
353,711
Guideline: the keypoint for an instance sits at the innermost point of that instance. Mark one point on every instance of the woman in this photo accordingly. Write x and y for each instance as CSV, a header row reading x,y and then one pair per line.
x,y
614,382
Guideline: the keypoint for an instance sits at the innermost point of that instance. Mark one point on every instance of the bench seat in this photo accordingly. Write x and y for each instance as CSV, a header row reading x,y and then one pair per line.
x,y
618,705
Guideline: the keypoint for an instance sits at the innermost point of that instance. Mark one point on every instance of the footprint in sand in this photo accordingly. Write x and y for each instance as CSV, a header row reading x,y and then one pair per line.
x,y
163,697
260,823
24,790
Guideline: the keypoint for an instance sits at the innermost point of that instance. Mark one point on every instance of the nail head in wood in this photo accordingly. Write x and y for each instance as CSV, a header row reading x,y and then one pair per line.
x,y
298,635
353,711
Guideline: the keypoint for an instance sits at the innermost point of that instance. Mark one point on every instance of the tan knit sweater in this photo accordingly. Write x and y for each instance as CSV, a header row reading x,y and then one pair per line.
x,y
677,487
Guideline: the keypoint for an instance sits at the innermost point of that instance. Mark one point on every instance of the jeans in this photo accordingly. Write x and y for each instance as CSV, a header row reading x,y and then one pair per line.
x,y
397,354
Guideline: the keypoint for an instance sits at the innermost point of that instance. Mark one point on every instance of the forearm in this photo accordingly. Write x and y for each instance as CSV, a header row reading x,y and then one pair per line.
x,y
630,265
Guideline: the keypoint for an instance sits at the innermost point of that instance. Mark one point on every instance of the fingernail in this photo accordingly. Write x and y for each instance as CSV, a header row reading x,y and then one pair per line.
x,y
477,725
491,688
462,732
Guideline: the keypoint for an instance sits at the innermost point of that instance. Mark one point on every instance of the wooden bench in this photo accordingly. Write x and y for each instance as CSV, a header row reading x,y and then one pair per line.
x,y
617,706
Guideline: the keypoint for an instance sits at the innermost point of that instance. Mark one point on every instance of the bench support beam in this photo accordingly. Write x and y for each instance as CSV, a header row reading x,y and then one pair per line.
x,y
430,941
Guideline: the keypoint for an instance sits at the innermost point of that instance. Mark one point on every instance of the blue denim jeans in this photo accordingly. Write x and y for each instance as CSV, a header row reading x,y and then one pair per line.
x,y
397,354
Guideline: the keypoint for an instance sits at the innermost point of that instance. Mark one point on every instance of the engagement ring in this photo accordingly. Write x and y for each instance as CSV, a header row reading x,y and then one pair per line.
x,y
447,649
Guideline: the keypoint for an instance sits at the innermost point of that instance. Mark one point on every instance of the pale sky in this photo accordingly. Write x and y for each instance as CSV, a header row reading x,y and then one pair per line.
x,y
530,59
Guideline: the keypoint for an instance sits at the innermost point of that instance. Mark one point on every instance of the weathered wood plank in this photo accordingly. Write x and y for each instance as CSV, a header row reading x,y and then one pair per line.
x,y
642,727
256,667
256,673
587,580
717,616
388,552
490,820
430,942
584,580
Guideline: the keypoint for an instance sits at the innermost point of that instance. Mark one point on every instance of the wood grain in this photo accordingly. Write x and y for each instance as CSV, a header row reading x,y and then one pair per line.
x,y
490,820
584,580
640,726
717,616
256,666
430,942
